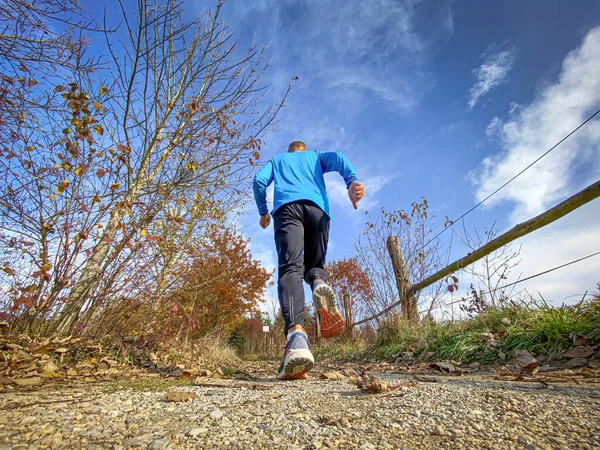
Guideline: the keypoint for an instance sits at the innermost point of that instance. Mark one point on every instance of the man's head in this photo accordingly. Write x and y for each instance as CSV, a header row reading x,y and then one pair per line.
x,y
297,146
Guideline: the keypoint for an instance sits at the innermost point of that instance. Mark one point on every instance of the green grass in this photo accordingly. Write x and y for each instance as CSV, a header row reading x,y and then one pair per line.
x,y
339,348
540,328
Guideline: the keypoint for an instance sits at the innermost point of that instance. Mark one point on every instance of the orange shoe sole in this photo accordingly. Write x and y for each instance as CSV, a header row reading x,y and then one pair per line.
x,y
331,325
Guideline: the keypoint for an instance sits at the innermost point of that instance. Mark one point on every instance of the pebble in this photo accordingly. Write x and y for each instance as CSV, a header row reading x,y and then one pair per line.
x,y
437,431
216,414
197,431
159,444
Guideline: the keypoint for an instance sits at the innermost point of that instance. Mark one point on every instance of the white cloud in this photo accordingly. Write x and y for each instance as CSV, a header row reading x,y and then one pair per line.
x,y
492,73
494,127
353,52
535,128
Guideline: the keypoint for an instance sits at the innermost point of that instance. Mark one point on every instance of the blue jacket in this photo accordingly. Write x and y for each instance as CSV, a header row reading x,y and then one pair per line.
x,y
299,176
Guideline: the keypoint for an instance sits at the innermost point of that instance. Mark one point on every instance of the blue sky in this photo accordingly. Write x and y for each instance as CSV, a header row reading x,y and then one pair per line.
x,y
445,100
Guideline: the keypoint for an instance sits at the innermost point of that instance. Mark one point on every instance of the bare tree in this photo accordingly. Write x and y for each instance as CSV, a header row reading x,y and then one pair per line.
x,y
489,273
413,230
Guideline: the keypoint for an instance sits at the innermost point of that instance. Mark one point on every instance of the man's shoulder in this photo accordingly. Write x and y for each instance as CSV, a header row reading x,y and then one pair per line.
x,y
289,155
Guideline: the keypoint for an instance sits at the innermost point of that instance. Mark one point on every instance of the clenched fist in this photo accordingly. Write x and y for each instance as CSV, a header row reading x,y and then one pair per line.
x,y
265,221
356,192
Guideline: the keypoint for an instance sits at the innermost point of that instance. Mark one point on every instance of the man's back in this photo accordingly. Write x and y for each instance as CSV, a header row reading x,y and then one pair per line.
x,y
299,176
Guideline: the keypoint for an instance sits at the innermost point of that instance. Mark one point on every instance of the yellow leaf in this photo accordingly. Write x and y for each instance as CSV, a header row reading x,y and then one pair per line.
x,y
8,270
60,189
159,223
51,196
51,375
79,171
64,183
98,129
97,106
96,199
46,267
143,233
31,82
115,186
67,166
30,148
94,361
103,90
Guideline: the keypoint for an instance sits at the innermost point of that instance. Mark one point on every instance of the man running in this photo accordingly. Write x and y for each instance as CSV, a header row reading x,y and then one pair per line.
x,y
301,220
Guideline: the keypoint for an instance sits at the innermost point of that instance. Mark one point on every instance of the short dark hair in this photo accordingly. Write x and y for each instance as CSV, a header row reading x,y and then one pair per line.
x,y
297,145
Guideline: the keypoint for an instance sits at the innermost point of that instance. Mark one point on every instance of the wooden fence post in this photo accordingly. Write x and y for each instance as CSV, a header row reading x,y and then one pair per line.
x,y
408,300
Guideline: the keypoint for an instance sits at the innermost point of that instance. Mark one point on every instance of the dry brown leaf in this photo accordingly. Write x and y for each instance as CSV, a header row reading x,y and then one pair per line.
x,y
333,375
578,340
372,384
85,365
71,372
33,381
445,366
581,351
50,367
178,396
43,348
425,379
525,362
349,372
204,373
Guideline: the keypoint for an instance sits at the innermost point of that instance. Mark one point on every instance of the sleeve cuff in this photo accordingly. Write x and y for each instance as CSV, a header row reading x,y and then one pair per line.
x,y
351,180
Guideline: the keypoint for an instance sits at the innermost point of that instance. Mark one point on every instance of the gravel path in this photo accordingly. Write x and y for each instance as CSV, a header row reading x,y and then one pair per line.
x,y
455,412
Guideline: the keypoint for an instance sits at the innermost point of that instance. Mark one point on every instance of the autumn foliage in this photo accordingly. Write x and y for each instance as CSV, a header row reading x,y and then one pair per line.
x,y
350,280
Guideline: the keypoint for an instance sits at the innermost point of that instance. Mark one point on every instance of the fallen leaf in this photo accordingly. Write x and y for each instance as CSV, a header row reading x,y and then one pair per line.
x,y
71,372
444,366
372,384
349,372
526,362
333,375
425,379
40,349
580,351
50,367
576,362
51,375
578,339
178,396
33,381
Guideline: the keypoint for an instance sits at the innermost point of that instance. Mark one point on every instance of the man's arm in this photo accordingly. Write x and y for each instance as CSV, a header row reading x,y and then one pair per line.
x,y
262,180
337,162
